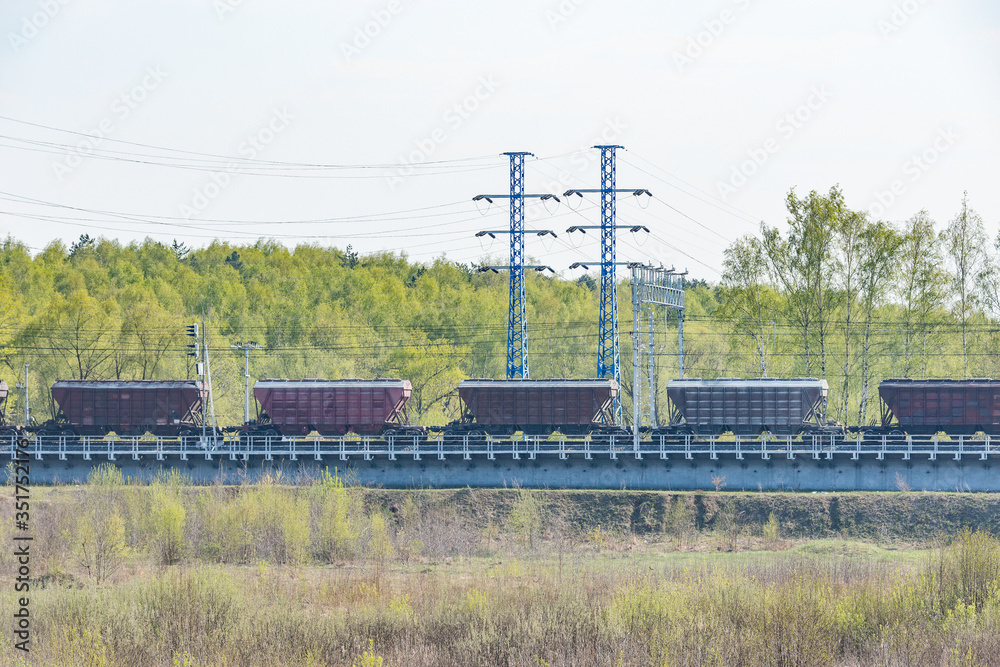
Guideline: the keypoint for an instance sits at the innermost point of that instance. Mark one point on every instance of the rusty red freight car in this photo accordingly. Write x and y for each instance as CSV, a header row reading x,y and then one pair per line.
x,y
536,407
5,428
748,407
957,407
97,407
332,407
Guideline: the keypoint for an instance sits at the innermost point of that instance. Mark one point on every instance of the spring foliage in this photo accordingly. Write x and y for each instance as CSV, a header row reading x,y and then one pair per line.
x,y
828,292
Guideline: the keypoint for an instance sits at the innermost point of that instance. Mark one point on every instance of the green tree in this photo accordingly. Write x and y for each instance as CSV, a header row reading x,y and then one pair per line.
x,y
880,244
851,244
79,331
803,263
922,285
965,240
748,300
10,317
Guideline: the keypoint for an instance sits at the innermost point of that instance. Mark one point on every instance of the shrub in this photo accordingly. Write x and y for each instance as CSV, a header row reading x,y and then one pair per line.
x,y
165,523
525,520
332,510
967,571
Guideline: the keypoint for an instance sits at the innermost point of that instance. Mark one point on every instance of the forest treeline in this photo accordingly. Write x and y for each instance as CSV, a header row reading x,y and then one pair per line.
x,y
829,293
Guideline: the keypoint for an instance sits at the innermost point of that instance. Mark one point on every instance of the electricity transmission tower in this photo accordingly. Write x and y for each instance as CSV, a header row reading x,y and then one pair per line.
x,y
608,354
517,320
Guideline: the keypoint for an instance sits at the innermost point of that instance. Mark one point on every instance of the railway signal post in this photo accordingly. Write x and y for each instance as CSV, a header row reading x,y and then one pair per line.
x,y
195,351
608,354
517,320
23,388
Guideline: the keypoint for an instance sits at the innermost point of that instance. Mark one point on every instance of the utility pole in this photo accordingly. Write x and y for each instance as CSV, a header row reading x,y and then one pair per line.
x,y
517,320
608,355
246,347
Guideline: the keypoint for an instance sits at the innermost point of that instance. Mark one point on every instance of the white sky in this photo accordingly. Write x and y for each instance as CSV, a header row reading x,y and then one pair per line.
x,y
887,79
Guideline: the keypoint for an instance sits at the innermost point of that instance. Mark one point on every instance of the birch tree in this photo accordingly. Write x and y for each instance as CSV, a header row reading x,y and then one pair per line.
x,y
922,285
804,263
748,301
965,240
850,243
880,244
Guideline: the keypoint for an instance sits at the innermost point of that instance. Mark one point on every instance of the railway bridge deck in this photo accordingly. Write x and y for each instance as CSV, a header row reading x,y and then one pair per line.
x,y
812,462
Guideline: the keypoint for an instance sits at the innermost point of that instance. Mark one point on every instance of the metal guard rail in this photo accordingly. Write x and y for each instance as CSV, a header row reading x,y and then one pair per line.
x,y
529,447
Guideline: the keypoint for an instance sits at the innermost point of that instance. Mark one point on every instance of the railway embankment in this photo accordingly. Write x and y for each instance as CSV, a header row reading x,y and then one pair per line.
x,y
901,515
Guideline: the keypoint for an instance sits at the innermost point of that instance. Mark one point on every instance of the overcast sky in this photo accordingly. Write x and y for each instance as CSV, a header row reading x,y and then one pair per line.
x,y
383,119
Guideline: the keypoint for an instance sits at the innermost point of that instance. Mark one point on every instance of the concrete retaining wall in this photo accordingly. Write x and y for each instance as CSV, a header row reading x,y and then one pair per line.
x,y
751,474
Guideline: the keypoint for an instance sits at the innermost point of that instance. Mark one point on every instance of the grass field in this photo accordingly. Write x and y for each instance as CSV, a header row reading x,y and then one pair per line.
x,y
326,574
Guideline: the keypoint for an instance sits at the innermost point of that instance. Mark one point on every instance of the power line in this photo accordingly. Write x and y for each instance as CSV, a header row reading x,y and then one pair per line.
x,y
223,160
712,201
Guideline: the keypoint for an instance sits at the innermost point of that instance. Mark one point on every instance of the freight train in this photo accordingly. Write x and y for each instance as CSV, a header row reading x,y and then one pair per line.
x,y
337,407
99,407
699,408
6,430
926,407
749,407
333,408
536,407
798,407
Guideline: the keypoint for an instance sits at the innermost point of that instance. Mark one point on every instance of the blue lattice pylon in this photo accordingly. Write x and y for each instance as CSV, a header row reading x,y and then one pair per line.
x,y
517,319
608,356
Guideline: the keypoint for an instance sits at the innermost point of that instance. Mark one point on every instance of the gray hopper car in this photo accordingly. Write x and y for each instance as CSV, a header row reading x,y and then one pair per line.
x,y
749,407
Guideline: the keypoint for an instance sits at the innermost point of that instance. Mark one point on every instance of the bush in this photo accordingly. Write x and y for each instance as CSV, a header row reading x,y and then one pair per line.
x,y
165,523
332,511
525,520
967,571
